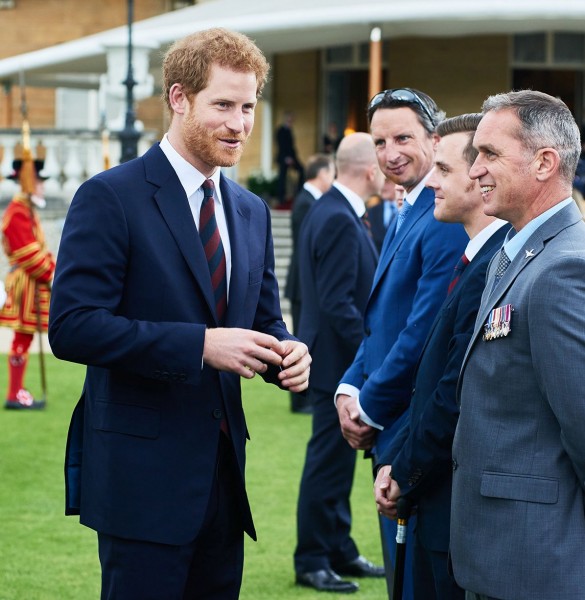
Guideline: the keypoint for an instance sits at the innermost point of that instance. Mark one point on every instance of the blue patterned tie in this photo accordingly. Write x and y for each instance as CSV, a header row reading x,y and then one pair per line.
x,y
503,264
406,208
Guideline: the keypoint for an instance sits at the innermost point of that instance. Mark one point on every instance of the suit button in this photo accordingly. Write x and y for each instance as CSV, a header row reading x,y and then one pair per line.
x,y
413,390
164,375
156,374
368,332
454,464
182,377
366,376
217,413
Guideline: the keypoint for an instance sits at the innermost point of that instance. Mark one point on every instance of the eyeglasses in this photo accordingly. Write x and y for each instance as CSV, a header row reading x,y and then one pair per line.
x,y
402,95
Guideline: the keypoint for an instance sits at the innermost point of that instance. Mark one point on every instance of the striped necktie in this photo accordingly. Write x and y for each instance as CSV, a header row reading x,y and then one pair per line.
x,y
457,272
366,221
213,249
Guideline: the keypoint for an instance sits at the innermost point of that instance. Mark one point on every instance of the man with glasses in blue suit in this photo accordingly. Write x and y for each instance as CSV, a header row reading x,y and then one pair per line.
x,y
410,284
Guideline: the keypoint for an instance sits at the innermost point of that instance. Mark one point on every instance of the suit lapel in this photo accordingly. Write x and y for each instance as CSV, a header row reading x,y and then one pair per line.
x,y
493,243
237,215
174,207
529,252
423,204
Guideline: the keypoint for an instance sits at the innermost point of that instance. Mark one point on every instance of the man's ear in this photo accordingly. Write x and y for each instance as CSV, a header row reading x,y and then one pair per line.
x,y
436,139
177,98
547,163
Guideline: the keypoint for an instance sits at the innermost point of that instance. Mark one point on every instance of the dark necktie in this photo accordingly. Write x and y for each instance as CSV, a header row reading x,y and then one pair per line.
x,y
457,272
366,222
213,249
406,208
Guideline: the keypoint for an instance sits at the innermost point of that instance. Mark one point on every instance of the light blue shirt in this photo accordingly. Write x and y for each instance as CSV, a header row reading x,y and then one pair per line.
x,y
515,241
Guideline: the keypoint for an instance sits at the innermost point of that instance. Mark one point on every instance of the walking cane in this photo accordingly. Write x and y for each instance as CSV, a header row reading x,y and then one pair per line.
x,y
403,513
41,353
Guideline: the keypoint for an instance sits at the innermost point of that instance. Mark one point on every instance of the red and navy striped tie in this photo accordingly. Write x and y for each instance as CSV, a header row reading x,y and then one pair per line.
x,y
457,272
213,249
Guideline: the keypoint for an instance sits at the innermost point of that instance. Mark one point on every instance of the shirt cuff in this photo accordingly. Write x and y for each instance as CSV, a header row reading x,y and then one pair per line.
x,y
350,390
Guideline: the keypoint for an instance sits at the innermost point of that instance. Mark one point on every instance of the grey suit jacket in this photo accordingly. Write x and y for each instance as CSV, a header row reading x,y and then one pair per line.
x,y
518,519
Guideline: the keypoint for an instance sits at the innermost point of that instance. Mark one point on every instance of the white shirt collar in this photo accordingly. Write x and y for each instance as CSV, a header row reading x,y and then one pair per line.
x,y
411,196
354,200
313,190
191,179
476,243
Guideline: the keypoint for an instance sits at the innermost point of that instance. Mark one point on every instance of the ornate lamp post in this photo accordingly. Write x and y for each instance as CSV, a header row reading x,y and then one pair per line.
x,y
129,136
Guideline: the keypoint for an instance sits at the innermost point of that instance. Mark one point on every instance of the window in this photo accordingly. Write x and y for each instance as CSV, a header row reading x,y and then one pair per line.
x,y
549,49
569,48
530,48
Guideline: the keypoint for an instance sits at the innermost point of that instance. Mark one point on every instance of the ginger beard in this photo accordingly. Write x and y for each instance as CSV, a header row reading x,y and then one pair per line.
x,y
209,145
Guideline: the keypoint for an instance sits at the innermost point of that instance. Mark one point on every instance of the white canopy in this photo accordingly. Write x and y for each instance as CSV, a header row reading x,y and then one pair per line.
x,y
283,26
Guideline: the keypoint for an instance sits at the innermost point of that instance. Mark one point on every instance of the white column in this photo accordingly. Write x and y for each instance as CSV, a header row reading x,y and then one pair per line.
x,y
73,170
52,169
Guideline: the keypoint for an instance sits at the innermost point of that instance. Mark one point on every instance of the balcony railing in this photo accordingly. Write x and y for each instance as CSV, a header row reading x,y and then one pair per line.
x,y
71,157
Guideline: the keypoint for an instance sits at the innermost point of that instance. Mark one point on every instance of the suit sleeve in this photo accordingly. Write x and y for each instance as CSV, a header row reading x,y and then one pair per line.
x,y
85,321
556,303
426,451
387,391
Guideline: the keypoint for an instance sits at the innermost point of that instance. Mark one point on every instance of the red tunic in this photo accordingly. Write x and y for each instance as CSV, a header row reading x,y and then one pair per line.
x,y
31,268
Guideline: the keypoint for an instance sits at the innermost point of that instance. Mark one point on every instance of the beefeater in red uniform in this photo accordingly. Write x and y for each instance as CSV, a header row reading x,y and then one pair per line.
x,y
26,309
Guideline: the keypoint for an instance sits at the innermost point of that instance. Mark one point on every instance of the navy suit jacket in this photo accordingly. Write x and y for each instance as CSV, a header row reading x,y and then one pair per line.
x,y
376,218
132,299
420,454
337,264
409,287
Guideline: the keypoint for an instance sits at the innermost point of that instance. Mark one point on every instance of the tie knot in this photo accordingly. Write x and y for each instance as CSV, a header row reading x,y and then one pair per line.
x,y
208,188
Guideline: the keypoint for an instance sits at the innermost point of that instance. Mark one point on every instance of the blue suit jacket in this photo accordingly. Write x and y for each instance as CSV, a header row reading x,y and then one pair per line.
x,y
410,285
420,454
132,299
337,264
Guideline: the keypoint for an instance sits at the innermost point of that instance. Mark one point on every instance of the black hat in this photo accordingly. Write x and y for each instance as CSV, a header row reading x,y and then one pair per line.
x,y
17,166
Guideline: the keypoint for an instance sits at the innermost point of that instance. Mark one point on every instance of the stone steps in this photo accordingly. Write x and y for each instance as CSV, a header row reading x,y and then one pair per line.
x,y
281,233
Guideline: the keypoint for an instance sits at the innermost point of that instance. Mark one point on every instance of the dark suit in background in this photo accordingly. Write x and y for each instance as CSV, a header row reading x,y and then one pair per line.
x,y
302,203
320,176
286,156
381,216
337,261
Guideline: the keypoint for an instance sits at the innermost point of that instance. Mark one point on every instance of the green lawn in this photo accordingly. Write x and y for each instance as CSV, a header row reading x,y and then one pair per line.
x,y
47,556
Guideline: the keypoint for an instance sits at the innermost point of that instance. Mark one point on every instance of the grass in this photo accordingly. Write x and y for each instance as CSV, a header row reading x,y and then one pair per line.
x,y
47,556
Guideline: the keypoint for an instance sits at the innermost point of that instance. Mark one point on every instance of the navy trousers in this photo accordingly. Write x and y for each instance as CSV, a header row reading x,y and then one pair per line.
x,y
323,509
208,568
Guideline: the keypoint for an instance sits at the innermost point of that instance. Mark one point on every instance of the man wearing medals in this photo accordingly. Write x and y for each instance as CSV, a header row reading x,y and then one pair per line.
x,y
517,520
